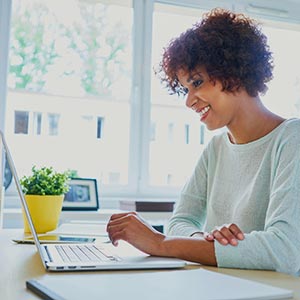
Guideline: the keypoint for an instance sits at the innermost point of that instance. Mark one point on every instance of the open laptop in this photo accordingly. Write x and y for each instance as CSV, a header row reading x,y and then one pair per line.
x,y
88,256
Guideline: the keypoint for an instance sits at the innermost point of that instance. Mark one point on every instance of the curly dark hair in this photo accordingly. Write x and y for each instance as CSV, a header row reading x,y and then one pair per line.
x,y
230,47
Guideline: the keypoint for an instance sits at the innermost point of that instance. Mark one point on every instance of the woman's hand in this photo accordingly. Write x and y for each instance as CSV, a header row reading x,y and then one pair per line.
x,y
224,234
131,228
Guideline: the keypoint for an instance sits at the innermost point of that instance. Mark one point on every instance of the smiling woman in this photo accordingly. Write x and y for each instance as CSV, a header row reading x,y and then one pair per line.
x,y
238,208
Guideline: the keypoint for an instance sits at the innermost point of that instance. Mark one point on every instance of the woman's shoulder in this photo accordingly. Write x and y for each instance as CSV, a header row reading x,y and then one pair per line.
x,y
292,122
290,127
215,145
288,134
217,140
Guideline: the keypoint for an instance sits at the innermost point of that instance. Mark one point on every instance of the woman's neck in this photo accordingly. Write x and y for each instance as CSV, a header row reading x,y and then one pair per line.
x,y
254,122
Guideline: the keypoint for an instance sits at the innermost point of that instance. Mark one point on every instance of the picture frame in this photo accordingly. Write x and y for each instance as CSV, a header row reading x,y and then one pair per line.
x,y
82,195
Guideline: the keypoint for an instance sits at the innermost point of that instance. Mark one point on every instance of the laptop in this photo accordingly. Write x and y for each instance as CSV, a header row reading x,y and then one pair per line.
x,y
88,256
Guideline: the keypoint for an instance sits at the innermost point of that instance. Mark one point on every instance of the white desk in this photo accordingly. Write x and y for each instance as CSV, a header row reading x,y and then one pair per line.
x,y
21,262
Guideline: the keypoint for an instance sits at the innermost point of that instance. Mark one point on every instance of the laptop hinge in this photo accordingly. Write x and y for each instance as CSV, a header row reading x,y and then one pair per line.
x,y
46,254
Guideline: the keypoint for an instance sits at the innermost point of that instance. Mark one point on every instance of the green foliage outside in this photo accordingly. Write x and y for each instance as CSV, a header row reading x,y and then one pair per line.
x,y
88,49
45,181
31,56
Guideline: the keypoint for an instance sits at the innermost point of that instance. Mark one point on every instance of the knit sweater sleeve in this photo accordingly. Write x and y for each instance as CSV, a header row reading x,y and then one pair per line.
x,y
190,211
277,246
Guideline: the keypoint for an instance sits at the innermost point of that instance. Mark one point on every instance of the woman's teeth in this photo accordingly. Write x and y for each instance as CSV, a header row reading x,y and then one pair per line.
x,y
204,110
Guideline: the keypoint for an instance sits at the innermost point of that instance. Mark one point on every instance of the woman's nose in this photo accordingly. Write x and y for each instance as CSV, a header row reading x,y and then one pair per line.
x,y
190,100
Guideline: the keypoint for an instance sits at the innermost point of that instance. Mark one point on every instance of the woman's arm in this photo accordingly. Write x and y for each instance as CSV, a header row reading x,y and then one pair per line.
x,y
276,246
224,234
190,211
131,228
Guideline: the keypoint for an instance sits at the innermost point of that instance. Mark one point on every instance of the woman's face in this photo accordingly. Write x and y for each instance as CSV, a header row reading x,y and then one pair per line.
x,y
215,107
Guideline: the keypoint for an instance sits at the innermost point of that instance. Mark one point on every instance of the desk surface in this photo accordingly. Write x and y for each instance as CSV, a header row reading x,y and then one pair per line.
x,y
21,262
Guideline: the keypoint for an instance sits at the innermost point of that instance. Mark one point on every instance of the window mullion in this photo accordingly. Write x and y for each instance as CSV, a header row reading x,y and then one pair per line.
x,y
5,12
146,96
140,108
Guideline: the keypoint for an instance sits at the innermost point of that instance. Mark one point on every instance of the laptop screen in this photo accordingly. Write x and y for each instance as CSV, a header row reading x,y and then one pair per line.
x,y
13,170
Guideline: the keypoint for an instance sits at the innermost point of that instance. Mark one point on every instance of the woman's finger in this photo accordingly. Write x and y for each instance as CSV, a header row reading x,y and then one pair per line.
x,y
219,237
236,231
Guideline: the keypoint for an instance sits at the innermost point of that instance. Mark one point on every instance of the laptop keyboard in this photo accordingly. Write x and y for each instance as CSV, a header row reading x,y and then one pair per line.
x,y
84,253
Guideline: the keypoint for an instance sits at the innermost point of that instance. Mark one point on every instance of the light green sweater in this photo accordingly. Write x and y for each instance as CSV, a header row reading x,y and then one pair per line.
x,y
257,187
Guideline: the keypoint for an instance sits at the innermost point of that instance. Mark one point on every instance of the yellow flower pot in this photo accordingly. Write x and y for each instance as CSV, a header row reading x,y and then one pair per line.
x,y
45,212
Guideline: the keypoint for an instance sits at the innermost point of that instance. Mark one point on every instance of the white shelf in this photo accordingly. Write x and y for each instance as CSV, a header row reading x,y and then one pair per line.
x,y
12,217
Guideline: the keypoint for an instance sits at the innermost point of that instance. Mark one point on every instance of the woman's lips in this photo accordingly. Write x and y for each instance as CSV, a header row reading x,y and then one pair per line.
x,y
203,112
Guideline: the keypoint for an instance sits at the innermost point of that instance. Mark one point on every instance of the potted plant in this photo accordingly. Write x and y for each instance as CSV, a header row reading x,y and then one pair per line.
x,y
44,192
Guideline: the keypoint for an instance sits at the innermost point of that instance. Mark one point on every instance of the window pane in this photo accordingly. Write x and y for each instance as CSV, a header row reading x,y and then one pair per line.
x,y
53,124
37,123
99,127
21,122
66,70
178,128
202,134
283,96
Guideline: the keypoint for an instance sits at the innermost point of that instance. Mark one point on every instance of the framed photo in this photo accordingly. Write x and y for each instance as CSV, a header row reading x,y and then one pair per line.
x,y
82,195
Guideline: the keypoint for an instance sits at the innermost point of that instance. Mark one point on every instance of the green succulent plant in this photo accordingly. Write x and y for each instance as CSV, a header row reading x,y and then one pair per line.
x,y
45,181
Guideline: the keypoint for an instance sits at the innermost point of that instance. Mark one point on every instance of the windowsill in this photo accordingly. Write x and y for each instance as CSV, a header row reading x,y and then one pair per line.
x,y
107,203
12,217
12,213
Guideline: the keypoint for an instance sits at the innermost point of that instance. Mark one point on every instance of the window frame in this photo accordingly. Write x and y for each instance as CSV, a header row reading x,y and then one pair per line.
x,y
140,103
5,16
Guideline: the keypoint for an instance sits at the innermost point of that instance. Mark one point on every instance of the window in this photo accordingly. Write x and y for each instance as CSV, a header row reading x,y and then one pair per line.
x,y
81,93
63,70
168,22
202,133
99,127
187,133
283,96
171,132
53,120
37,123
169,179
21,122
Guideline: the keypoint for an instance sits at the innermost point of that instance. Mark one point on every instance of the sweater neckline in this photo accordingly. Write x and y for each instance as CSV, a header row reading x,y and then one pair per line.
x,y
257,142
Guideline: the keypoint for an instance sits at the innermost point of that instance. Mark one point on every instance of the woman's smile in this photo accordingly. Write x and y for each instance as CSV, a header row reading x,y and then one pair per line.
x,y
203,112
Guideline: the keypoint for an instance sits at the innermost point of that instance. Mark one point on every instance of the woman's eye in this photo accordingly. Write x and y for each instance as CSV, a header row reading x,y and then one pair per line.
x,y
197,83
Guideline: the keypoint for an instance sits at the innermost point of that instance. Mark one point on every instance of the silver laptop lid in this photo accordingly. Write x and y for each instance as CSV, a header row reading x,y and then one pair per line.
x,y
20,192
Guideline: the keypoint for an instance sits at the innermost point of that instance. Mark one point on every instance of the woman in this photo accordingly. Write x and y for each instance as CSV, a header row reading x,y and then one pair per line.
x,y
241,206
